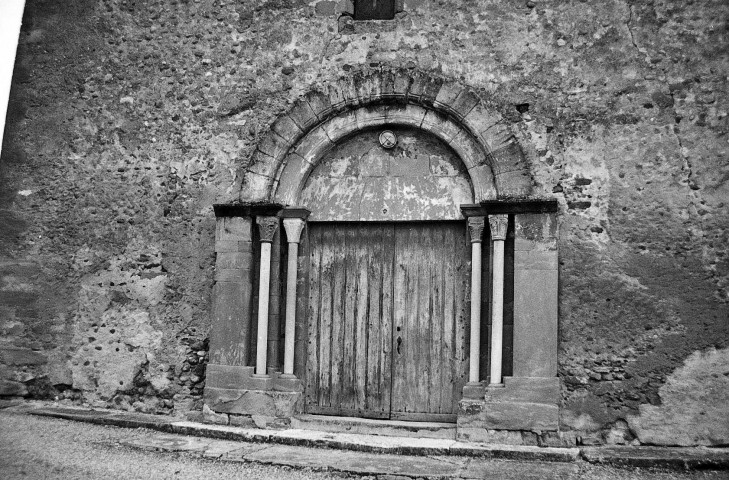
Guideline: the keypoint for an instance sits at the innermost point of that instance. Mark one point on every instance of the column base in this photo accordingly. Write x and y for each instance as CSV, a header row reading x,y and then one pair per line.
x,y
288,383
474,390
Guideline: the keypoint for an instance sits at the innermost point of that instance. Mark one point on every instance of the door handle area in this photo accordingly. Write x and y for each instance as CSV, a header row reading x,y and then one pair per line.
x,y
399,342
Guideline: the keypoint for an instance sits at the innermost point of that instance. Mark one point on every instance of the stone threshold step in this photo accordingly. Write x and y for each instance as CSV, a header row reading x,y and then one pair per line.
x,y
368,426
311,438
678,458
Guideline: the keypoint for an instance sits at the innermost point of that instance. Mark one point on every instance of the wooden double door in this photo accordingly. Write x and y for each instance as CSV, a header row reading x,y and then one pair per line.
x,y
387,319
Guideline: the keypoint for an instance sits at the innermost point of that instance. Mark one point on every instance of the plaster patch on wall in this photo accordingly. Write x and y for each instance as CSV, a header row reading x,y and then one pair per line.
x,y
694,408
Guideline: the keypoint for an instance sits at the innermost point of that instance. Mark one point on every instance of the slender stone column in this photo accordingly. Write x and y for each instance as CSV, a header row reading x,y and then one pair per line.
x,y
475,226
267,227
498,224
293,227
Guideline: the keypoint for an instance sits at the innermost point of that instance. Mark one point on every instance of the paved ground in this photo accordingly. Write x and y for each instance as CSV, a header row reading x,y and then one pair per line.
x,y
37,447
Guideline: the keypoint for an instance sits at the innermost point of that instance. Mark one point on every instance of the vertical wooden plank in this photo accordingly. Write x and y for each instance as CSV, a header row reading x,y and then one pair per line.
x,y
449,354
302,307
348,318
439,373
313,317
386,319
373,318
337,316
365,238
400,318
461,310
411,332
326,279
422,252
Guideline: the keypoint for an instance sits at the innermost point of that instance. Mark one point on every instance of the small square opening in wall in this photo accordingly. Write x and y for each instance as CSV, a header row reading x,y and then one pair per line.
x,y
374,9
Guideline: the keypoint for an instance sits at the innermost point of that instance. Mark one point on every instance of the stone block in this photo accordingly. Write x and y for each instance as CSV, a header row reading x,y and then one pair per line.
x,y
303,115
253,402
291,181
286,128
232,314
210,416
535,231
470,151
465,102
232,246
474,391
372,116
535,323
315,143
509,158
401,84
536,259
480,119
262,164
498,137
255,187
387,87
21,356
343,94
368,87
233,229
510,416
484,185
288,384
412,115
319,103
339,127
425,88
481,435
440,125
231,260
448,94
516,184
8,388
273,145
244,421
236,275
544,390
226,376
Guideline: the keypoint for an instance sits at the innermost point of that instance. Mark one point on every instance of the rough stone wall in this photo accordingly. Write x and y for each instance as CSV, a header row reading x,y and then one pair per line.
x,y
129,118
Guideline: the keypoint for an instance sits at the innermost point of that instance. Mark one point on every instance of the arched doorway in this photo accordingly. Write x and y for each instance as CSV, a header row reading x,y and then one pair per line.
x,y
388,270
259,360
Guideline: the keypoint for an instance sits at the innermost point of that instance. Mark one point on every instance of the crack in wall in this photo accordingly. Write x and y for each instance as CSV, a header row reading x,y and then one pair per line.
x,y
630,30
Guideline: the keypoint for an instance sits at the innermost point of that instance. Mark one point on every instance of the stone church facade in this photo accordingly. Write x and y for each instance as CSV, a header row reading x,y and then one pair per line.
x,y
507,217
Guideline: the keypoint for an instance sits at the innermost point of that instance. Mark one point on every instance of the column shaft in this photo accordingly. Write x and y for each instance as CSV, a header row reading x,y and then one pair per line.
x,y
294,221
473,375
497,312
290,308
498,225
475,226
267,227
263,294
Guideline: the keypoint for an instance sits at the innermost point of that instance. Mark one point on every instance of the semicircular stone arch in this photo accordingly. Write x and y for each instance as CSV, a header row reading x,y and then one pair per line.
x,y
454,114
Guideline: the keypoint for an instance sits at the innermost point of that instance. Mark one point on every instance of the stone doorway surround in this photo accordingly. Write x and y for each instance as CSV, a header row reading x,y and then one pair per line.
x,y
252,373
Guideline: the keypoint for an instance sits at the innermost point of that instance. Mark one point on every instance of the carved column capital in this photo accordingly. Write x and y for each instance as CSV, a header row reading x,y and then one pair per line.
x,y
475,228
498,224
293,227
267,228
